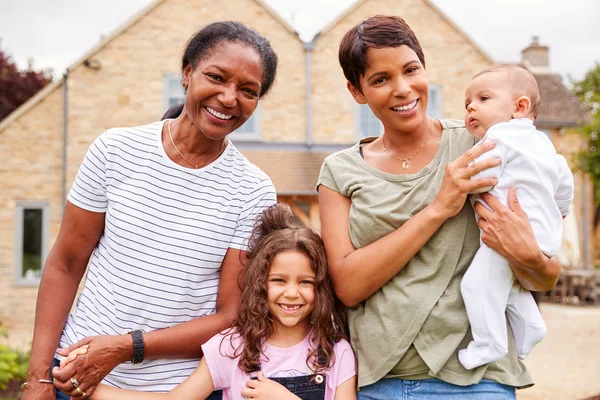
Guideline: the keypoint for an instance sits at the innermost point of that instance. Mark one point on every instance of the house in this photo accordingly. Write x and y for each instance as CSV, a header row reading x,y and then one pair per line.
x,y
132,77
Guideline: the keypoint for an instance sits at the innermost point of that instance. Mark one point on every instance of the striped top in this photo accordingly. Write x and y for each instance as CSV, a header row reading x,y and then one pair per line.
x,y
167,229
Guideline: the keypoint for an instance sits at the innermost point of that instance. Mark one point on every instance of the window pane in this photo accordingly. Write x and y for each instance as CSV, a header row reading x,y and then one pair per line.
x,y
369,124
32,243
175,86
249,126
435,106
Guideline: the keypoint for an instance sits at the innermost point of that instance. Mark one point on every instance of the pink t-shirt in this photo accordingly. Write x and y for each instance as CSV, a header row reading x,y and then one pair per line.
x,y
282,362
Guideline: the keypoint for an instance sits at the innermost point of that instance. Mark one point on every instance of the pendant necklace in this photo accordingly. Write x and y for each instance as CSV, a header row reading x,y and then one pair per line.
x,y
406,161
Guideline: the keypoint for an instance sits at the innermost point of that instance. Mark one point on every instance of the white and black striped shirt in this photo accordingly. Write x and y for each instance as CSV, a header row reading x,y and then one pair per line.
x,y
167,229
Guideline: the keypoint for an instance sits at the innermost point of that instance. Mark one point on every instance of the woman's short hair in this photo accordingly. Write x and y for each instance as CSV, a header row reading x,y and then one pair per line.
x,y
375,32
212,35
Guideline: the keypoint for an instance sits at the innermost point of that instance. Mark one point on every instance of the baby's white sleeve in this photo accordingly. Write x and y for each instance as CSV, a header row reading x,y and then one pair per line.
x,y
499,151
566,186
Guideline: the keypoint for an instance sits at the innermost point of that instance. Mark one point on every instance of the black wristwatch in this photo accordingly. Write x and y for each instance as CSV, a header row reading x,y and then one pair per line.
x,y
138,346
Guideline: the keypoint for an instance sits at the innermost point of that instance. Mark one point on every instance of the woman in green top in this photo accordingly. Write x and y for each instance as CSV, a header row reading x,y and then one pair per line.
x,y
399,233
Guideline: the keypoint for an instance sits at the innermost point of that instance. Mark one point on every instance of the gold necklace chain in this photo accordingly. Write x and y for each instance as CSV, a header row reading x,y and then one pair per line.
x,y
406,161
184,157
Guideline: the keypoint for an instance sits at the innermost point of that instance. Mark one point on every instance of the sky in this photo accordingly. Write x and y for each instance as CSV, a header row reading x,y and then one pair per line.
x,y
56,33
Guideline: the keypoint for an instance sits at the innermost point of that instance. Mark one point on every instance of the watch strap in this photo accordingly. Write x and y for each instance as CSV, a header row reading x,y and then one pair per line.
x,y
138,346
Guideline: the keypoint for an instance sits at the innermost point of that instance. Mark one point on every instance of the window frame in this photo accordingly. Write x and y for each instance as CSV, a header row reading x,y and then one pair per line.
x,y
20,208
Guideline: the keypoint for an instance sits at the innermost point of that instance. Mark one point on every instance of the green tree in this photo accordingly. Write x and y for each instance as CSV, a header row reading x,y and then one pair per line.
x,y
588,90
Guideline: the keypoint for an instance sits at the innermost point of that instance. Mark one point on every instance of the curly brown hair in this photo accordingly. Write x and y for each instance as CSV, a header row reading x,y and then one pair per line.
x,y
277,231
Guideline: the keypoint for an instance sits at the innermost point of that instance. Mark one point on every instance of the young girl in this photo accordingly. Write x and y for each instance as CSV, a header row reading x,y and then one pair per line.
x,y
290,328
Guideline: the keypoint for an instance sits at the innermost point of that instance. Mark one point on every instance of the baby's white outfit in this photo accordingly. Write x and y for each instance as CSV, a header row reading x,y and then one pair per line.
x,y
545,189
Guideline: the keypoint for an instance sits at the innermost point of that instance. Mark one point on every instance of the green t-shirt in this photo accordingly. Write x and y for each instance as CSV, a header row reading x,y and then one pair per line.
x,y
414,325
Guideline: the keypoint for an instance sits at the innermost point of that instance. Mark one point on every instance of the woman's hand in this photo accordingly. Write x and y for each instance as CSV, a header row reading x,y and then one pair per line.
x,y
266,389
457,183
507,231
89,361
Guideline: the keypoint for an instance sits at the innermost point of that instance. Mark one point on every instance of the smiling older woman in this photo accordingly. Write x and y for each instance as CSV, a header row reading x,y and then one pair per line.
x,y
165,212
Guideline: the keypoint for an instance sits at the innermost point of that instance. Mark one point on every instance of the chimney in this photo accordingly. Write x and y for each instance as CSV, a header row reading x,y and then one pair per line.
x,y
535,56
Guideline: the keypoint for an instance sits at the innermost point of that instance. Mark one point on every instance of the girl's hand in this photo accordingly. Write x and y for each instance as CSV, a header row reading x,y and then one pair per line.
x,y
73,355
457,183
90,366
266,389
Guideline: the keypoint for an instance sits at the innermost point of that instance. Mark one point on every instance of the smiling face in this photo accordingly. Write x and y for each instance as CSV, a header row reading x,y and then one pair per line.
x,y
291,291
223,90
395,86
489,101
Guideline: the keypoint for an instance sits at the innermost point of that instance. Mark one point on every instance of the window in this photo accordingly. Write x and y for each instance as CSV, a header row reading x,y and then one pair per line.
x,y
435,106
251,128
173,94
31,241
369,125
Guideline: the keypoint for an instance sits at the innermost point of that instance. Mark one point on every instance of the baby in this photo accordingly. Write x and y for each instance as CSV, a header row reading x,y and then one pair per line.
x,y
502,102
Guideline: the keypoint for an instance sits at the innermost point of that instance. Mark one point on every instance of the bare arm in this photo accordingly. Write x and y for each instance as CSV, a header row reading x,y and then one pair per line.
x,y
357,274
197,386
64,268
179,341
507,231
347,390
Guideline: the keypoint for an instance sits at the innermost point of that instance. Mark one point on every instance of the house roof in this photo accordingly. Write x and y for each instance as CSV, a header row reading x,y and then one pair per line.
x,y
559,107
429,3
102,44
292,172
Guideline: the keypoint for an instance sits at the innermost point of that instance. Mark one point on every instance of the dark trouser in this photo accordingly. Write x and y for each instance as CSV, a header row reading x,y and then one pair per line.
x,y
216,395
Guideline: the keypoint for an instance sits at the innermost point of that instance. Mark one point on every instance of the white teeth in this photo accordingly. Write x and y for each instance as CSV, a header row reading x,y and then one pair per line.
x,y
218,114
289,307
406,107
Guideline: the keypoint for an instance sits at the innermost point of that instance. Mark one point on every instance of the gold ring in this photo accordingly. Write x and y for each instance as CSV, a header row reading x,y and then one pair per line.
x,y
80,392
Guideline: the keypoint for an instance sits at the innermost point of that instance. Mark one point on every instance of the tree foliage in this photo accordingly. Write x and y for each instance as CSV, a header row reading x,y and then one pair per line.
x,y
17,86
588,90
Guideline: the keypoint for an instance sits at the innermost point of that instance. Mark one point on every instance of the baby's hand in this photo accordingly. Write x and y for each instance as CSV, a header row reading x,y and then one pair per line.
x,y
73,355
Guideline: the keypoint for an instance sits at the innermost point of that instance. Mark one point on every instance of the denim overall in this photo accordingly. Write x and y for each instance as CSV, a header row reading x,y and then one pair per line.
x,y
307,387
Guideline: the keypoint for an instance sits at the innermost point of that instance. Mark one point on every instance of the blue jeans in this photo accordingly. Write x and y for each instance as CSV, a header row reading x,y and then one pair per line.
x,y
400,389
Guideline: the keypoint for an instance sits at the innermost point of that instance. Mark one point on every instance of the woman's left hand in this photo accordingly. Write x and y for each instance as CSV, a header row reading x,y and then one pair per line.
x,y
90,366
507,231
266,389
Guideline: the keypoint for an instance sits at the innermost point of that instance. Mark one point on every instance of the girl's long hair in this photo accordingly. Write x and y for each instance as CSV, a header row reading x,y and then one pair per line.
x,y
277,231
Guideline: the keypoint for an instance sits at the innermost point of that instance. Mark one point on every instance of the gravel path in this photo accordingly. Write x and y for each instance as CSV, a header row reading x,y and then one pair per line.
x,y
566,364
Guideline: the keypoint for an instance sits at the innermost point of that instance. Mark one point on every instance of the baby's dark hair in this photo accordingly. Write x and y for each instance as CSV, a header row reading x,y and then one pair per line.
x,y
277,231
212,35
375,32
